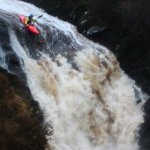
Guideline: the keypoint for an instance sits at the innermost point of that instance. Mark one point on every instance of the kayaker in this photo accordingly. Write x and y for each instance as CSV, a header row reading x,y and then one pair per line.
x,y
30,20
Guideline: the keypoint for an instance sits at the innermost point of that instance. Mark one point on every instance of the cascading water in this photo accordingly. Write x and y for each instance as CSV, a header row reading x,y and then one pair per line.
x,y
87,100
3,63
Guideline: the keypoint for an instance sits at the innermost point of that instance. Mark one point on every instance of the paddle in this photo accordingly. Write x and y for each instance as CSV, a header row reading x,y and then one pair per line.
x,y
34,20
40,16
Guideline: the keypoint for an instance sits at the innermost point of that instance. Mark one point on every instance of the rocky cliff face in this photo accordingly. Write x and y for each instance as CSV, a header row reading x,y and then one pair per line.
x,y
20,119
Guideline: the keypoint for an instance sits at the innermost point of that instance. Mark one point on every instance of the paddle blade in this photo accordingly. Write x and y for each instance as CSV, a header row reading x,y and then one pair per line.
x,y
40,16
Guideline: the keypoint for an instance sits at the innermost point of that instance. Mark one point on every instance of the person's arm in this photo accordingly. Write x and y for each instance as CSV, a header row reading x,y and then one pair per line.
x,y
33,20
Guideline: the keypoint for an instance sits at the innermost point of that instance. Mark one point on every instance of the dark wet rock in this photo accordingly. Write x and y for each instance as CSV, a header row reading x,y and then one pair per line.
x,y
94,30
20,117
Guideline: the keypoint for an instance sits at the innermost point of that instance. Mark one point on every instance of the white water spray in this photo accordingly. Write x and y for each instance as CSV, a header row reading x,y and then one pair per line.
x,y
3,63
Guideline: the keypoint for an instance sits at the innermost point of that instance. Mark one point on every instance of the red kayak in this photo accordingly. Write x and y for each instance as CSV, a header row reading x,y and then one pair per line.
x,y
31,28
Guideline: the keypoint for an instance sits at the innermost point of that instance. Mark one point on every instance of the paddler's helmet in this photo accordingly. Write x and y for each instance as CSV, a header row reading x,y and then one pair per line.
x,y
30,16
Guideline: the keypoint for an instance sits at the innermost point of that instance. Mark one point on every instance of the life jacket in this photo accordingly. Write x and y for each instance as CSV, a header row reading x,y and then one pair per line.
x,y
28,21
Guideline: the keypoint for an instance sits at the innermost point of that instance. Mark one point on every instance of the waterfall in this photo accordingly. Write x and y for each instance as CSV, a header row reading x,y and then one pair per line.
x,y
92,106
